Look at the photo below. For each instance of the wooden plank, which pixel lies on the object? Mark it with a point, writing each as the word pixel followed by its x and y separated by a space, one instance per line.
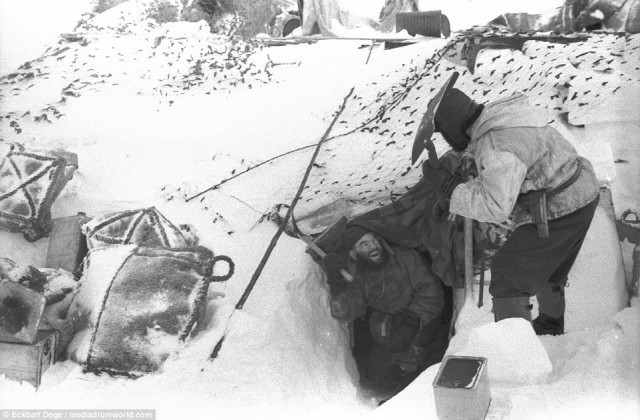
pixel 315 248
pixel 312 39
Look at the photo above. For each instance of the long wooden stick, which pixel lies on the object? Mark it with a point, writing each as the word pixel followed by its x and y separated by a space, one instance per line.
pixel 481 289
pixel 282 226
pixel 315 38
pixel 315 248
pixel 468 257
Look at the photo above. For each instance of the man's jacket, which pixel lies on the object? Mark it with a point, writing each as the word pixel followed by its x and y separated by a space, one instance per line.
pixel 405 282
pixel 516 151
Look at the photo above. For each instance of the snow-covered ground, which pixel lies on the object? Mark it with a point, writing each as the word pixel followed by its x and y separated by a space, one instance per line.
pixel 143 143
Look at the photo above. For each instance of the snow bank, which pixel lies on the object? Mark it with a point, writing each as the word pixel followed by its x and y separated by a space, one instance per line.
pixel 416 401
pixel 514 353
pixel 283 355
pixel 27 27
pixel 596 288
pixel 600 154
pixel 582 384
pixel 513 350
pixel 623 138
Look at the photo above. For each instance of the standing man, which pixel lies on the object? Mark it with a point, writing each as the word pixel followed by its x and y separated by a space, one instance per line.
pixel 404 300
pixel 529 171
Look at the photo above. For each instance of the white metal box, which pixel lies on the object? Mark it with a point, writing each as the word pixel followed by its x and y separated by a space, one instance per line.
pixel 461 388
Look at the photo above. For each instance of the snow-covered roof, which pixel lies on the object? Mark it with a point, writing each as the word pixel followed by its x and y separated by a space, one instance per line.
pixel 366 162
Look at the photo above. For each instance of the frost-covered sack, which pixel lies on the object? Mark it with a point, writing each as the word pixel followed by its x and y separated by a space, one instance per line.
pixel 514 351
pixel 136 305
pixel 30 181
pixel 147 227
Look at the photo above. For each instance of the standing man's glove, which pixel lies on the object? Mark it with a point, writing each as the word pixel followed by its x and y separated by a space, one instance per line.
pixel 332 264
pixel 440 180
pixel 403 332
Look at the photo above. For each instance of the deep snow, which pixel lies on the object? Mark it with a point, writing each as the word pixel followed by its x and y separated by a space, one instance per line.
pixel 284 356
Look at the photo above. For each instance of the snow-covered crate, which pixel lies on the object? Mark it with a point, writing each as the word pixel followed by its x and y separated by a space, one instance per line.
pixel 67 243
pixel 20 312
pixel 27 362
pixel 461 388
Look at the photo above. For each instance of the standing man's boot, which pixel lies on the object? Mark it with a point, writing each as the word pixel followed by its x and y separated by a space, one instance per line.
pixel 551 306
pixel 512 307
pixel 546 325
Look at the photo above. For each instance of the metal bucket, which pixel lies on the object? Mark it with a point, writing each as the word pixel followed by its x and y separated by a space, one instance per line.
pixel 432 23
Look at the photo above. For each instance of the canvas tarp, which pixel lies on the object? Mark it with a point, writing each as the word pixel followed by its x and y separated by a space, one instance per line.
pixel 410 221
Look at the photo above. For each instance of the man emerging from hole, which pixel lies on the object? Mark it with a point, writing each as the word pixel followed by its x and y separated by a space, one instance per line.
pixel 404 300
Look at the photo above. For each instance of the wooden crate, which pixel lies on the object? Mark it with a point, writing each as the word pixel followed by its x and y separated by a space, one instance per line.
pixel 27 362
pixel 20 312
pixel 67 244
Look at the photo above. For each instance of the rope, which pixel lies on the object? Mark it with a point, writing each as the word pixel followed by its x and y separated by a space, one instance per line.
pixel 224 181
pixel 281 228
pixel 227 276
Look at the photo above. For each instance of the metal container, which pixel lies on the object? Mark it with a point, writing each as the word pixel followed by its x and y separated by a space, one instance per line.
pixel 461 388
pixel 432 23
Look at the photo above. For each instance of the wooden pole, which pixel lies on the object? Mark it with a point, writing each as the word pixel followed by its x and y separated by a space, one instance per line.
pixel 282 226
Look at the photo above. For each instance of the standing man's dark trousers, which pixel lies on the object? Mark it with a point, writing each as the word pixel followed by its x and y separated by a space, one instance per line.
pixel 528 265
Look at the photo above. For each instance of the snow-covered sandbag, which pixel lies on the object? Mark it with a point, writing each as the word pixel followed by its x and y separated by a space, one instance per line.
pixel 30 181
pixel 146 227
pixel 136 306
pixel 513 350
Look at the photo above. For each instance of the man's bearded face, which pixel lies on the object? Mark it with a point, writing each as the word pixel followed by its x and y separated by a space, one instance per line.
pixel 370 251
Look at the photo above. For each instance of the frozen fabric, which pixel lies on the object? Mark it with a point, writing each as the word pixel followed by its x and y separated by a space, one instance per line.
pixel 30 181
pixel 136 306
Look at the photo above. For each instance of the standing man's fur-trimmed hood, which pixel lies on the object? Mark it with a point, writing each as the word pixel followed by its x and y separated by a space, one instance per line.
pixel 505 113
